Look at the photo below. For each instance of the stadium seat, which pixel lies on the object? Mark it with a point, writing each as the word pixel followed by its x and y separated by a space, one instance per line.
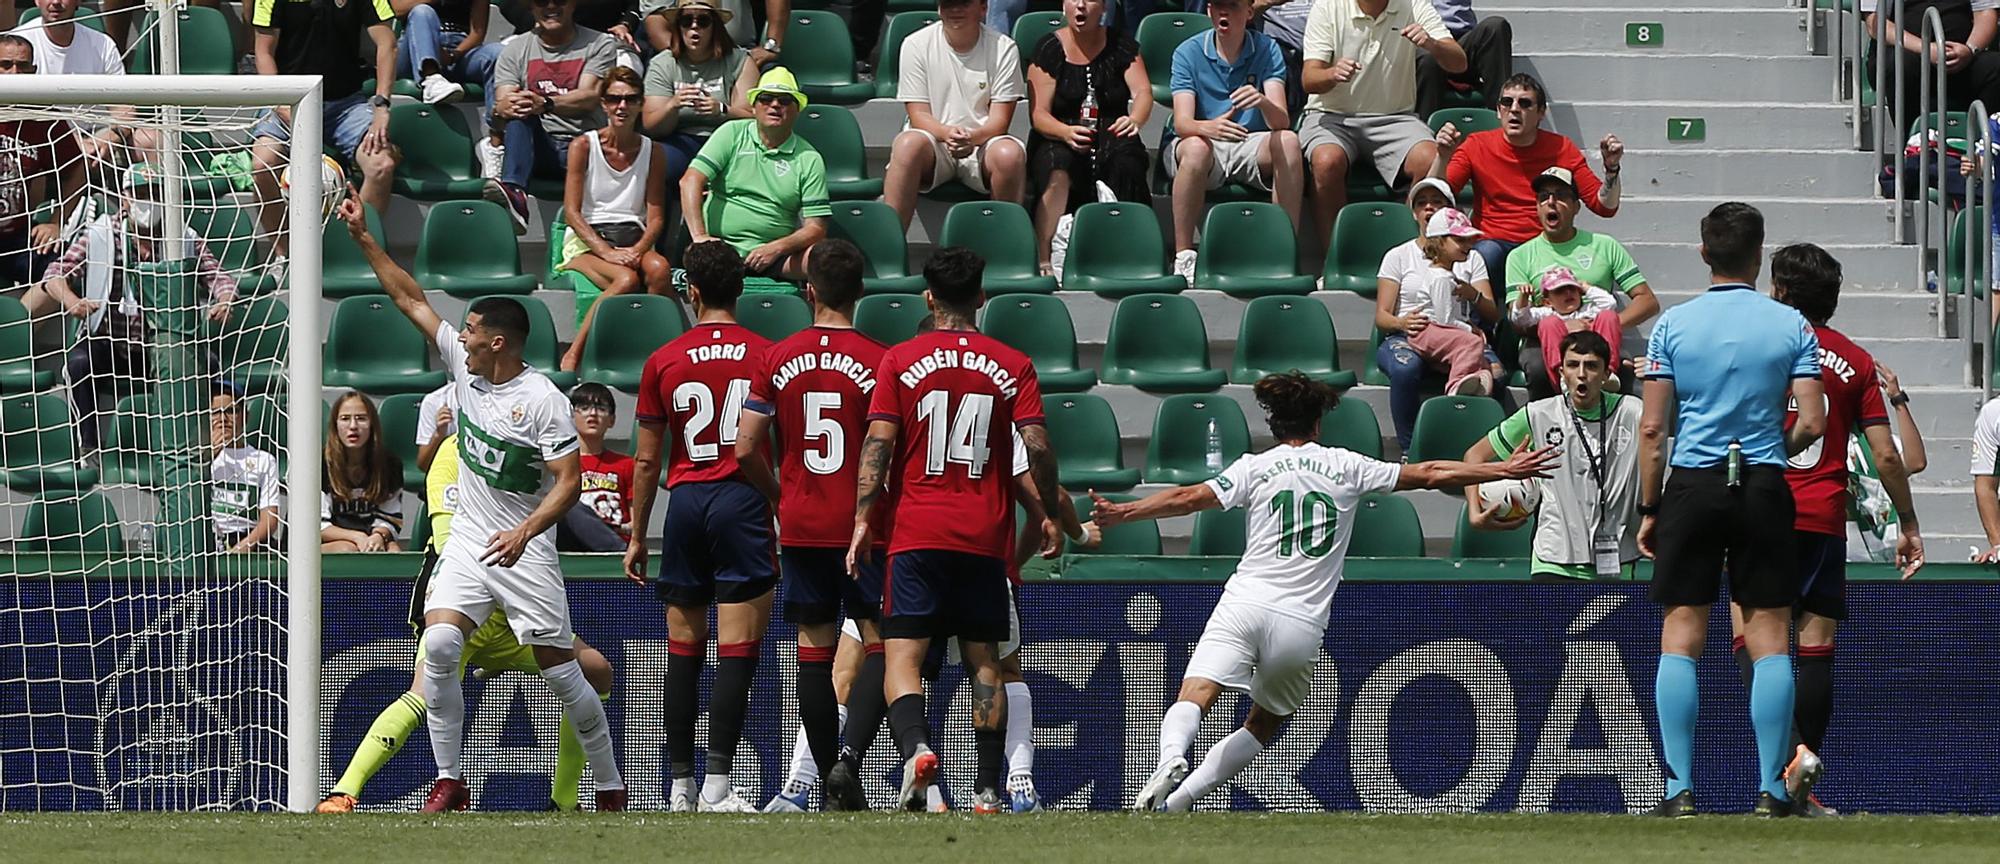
pixel 1179 454
pixel 901 25
pixel 1159 34
pixel 438 164
pixel 1449 425
pixel 1362 234
pixel 1040 328
pixel 468 250
pixel 208 43
pixel 889 318
pixel 343 271
pixel 371 347
pixel 873 227
pixel 1386 526
pixel 1131 538
pixel 1281 334
pixel 1029 30
pixel 230 233
pixel 833 131
pixel 774 316
pixel 420 528
pixel 628 329
pixel 1466 542
pixel 264 423
pixel 1248 249
pixel 251 349
pixel 85 523
pixel 197 147
pixel 820 52
pixel 1000 232
pixel 1351 425
pixel 1157 342
pixel 126 454
pixel 1115 250
pixel 17 362
pixel 1952 124
pixel 1084 434
pixel 38 445
pixel 1973 218
pixel 400 416
pixel 1468 120
pixel 1219 532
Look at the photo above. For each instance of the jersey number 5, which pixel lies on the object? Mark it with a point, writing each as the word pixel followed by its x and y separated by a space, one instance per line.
pixel 1308 528
pixel 956 436
pixel 694 398
pixel 825 432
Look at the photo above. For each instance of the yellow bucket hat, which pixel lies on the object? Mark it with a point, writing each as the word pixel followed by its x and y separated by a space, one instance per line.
pixel 779 81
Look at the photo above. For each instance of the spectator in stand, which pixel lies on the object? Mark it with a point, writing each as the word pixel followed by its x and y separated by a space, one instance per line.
pixel 601 521
pixel 361 483
pixel 1489 56
pixel 1972 71
pixel 1559 305
pixel 545 96
pixel 437 419
pixel 42 165
pixel 769 198
pixel 1401 317
pixel 318 37
pixel 1596 260
pixel 63 47
pixel 959 84
pixel 1084 66
pixel 445 47
pixel 1502 164
pixel 243 480
pixel 743 26
pixel 1231 124
pixel 1360 66
pixel 118 19
pixel 615 204
pixel 702 81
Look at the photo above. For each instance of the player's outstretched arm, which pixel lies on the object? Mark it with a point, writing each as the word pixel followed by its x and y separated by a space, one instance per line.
pixel 504 548
pixel 753 432
pixel 1042 467
pixel 1446 474
pixel 645 486
pixel 1480 515
pixel 1178 501
pixel 872 471
pixel 396 282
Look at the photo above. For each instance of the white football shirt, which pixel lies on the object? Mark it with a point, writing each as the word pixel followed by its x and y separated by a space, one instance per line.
pixel 1301 503
pixel 438 400
pixel 243 484
pixel 1986 440
pixel 506 435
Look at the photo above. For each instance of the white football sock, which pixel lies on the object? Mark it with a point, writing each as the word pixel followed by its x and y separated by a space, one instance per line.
pixel 934 796
pixel 586 714
pixel 444 696
pixel 1020 730
pixel 1177 729
pixel 805 770
pixel 1227 757
pixel 715 787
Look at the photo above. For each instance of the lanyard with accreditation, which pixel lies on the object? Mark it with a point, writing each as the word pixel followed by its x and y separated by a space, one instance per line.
pixel 1603 536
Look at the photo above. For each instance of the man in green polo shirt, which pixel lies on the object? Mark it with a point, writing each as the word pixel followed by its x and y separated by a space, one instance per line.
pixel 769 186
pixel 1597 259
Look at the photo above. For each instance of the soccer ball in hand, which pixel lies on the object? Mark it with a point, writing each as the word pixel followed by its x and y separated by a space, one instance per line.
pixel 332 185
pixel 1515 498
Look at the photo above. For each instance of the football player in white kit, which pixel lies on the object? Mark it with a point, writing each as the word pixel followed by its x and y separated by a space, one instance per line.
pixel 1265 632
pixel 521 473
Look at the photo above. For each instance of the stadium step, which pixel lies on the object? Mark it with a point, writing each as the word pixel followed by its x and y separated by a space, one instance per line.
pixel 1808 123
pixel 1510 7
pixel 1729 169
pixel 1594 76
pixel 1673 30
pixel 1862 314
pixel 1869 267
pixel 1825 220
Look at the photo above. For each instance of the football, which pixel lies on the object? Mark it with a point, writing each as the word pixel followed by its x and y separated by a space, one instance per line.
pixel 1516 498
pixel 332 185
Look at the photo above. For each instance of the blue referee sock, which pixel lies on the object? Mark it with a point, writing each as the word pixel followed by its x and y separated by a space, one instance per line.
pixel 1771 716
pixel 1677 700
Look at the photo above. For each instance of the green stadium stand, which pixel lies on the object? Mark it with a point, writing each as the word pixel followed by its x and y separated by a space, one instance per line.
pixel 17 362
pixel 208 44
pixel 372 348
pixel 1466 542
pixel 889 318
pixel 1115 250
pixel 1449 425
pixel 230 233
pixel 1159 34
pixel 628 329
pixel 1084 434
pixel 1040 327
pixel 1178 451
pixel 820 52
pixel 468 250
pixel 1386 526
pixel 1351 424
pixel 1248 249
pixel 400 415
pixel 833 131
pixel 438 164
pixel 1219 532
pixel 38 445
pixel 343 270
pixel 1157 342
pixel 251 350
pixel 1362 233
pixel 1973 218
pixel 1029 30
pixel 1282 334
pixel 71 523
pixel 901 25
pixel 126 456
pixel 774 316
pixel 873 226
pixel 1468 120
pixel 1001 232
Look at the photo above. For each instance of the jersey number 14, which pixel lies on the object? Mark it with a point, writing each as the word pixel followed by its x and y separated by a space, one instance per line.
pixel 956 436
pixel 1305 524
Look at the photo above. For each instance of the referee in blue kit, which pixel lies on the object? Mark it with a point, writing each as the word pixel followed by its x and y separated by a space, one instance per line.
pixel 1723 366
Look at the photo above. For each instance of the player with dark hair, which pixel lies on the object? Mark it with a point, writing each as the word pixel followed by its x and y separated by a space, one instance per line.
pixel 1265 633
pixel 718 531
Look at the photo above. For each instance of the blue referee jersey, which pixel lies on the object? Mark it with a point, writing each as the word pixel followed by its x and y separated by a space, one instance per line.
pixel 1732 354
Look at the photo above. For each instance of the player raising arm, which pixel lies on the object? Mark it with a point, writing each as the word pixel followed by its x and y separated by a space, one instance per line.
pixel 1265 632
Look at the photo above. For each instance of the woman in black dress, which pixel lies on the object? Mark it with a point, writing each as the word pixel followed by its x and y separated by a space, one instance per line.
pixel 1066 155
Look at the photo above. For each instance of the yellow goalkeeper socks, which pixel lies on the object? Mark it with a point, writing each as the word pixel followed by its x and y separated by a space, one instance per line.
pixel 569 764
pixel 385 736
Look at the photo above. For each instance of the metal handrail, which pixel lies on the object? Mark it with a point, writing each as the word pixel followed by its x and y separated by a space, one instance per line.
pixel 1976 315
pixel 1932 34
pixel 1890 124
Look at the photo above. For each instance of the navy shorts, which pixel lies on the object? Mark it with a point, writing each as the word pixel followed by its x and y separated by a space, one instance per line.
pixel 717 545
pixel 1822 575
pixel 935 593
pixel 817 586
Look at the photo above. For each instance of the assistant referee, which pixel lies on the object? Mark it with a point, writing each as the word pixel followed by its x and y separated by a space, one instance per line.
pixel 1720 368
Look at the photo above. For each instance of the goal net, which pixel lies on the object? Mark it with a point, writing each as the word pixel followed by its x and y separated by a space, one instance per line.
pixel 147 390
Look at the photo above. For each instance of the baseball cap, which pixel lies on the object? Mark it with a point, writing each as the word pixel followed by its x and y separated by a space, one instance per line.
pixel 1555 174
pixel 1559 277
pixel 1442 187
pixel 1450 223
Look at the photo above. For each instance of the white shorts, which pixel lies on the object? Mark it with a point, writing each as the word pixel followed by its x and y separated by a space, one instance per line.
pixel 849 629
pixel 1007 648
pixel 1235 161
pixel 531 592
pixel 969 169
pixel 1253 650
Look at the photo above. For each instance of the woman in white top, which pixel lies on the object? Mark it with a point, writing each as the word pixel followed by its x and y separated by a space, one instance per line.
pixel 1407 264
pixel 614 202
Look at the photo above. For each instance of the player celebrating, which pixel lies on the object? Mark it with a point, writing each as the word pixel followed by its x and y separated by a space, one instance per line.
pixel 520 445
pixel 1265 632
pixel 940 416
pixel 718 531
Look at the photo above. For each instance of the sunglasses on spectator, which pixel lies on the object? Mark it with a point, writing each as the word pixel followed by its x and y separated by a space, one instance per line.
pixel 777 99
pixel 692 21
pixel 1522 102
pixel 621 98
pixel 549 2
pixel 17 65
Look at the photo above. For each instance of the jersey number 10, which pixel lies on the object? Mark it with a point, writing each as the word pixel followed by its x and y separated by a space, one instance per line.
pixel 1308 528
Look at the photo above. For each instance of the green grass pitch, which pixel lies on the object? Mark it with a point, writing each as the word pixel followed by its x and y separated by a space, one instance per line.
pixel 493 838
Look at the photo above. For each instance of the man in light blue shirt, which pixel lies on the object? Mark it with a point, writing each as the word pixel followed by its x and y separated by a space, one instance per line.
pixel 1723 366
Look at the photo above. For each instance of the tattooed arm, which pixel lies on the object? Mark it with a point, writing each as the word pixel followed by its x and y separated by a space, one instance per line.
pixel 1042 466
pixel 871 472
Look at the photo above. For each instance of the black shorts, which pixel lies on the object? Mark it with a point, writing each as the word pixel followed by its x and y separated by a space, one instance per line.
pixel 1822 575
pixel 717 545
pixel 1707 527
pixel 934 594
pixel 817 586
pixel 420 591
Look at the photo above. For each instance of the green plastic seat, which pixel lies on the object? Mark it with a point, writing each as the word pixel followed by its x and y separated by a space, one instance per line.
pixel 1040 327
pixel 833 131
pixel 1219 532
pixel 1001 233
pixel 889 318
pixel 1115 250
pixel 1362 234
pixel 1386 526
pixel 1159 34
pixel 820 52
pixel 873 227
pixel 540 352
pixel 1131 538
pixel 1467 542
pixel 1971 220
pixel 1178 452
pixel 438 162
pixel 264 423
pixel 1248 249
pixel 38 445
pixel 230 233
pixel 1467 120
pixel 1282 334
pixel 208 43
pixel 343 270
pixel 1031 27
pixel 1351 424
pixel 420 528
pixel 252 346
pixel 85 523
pixel 774 316
pixel 1084 433
pixel 468 250
pixel 412 89
pixel 901 25
pixel 1951 124
pixel 400 416
pixel 628 329
pixel 371 347
pixel 127 455
pixel 1447 426
pixel 17 358
pixel 1157 342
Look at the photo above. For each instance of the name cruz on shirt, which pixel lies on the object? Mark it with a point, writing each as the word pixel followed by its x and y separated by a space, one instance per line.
pixel 975 361
pixel 831 361
pixel 1829 360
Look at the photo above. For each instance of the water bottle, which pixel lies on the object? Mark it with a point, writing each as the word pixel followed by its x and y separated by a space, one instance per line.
pixel 1087 113
pixel 146 538
pixel 1930 281
pixel 1213 458
pixel 1735 463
